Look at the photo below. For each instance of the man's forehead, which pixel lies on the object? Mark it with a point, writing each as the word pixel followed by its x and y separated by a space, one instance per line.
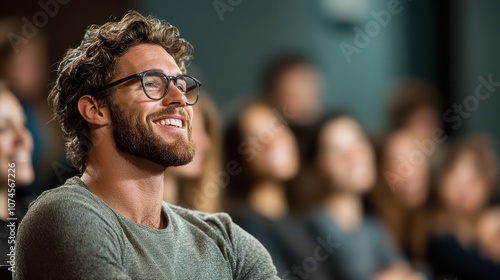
pixel 145 57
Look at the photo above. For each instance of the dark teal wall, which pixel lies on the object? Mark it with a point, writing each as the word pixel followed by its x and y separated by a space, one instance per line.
pixel 479 55
pixel 231 52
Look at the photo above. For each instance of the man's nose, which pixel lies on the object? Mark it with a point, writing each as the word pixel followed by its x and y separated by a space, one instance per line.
pixel 174 97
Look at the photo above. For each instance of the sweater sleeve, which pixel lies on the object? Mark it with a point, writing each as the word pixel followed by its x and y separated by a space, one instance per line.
pixel 65 236
pixel 252 261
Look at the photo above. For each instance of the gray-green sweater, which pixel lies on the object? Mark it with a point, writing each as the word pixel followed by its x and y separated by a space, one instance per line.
pixel 70 233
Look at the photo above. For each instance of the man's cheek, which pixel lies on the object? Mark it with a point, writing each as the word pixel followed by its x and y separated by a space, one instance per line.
pixel 190 112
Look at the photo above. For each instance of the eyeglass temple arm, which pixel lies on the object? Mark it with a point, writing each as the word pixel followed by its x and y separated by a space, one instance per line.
pixel 115 83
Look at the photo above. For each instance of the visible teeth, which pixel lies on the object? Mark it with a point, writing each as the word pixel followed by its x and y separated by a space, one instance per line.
pixel 173 122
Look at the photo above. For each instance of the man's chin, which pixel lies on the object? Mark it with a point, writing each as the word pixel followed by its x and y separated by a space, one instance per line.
pixel 181 163
pixel 171 161
pixel 183 158
pixel 180 153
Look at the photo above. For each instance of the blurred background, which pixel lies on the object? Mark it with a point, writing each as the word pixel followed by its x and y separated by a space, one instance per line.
pixel 403 72
pixel 450 43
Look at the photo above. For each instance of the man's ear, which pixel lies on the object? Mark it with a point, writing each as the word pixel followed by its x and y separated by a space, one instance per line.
pixel 93 111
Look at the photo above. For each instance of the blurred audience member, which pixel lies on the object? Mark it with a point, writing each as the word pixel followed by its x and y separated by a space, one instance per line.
pixel 488 155
pixel 400 196
pixel 345 158
pixel 415 106
pixel 25 65
pixel 195 184
pixel 304 191
pixel 463 187
pixel 25 68
pixel 488 234
pixel 16 148
pixel 265 150
pixel 294 86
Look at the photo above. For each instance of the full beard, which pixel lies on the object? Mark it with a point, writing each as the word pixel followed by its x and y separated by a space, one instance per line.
pixel 137 139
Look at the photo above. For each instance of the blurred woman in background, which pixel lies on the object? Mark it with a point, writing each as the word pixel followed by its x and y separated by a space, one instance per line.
pixel 25 68
pixel 400 195
pixel 415 106
pixel 266 153
pixel 16 148
pixel 488 234
pixel 488 155
pixel 345 158
pixel 194 185
pixel 462 189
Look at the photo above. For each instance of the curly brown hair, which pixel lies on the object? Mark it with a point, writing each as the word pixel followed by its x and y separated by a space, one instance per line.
pixel 83 70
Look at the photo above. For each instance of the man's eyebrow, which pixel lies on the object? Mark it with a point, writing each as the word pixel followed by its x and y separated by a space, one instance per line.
pixel 161 71
pixel 156 70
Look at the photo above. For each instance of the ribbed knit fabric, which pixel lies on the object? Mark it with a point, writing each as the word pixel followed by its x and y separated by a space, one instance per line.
pixel 70 233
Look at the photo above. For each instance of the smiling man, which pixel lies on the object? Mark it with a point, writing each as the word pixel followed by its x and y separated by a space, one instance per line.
pixel 124 104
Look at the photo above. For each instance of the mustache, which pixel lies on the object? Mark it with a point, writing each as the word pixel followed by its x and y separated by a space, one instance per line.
pixel 170 111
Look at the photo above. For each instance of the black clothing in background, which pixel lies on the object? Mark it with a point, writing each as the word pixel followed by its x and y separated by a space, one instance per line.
pixel 304 136
pixel 287 242
pixel 450 260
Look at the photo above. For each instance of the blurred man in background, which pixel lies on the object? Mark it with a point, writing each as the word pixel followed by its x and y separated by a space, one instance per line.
pixel 294 86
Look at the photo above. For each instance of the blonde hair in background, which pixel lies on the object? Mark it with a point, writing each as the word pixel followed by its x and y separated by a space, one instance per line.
pixel 205 193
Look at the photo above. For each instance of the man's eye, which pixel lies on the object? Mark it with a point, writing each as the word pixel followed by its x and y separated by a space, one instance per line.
pixel 151 85
pixel 181 88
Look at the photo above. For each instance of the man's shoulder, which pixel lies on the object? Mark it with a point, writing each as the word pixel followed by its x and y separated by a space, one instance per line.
pixel 65 203
pixel 71 192
pixel 185 212
pixel 67 214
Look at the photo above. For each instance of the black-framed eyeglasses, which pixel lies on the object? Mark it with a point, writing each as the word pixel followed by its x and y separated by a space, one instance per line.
pixel 156 85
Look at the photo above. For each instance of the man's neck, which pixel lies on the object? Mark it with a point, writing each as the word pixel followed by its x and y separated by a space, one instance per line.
pixel 130 187
pixel 171 188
